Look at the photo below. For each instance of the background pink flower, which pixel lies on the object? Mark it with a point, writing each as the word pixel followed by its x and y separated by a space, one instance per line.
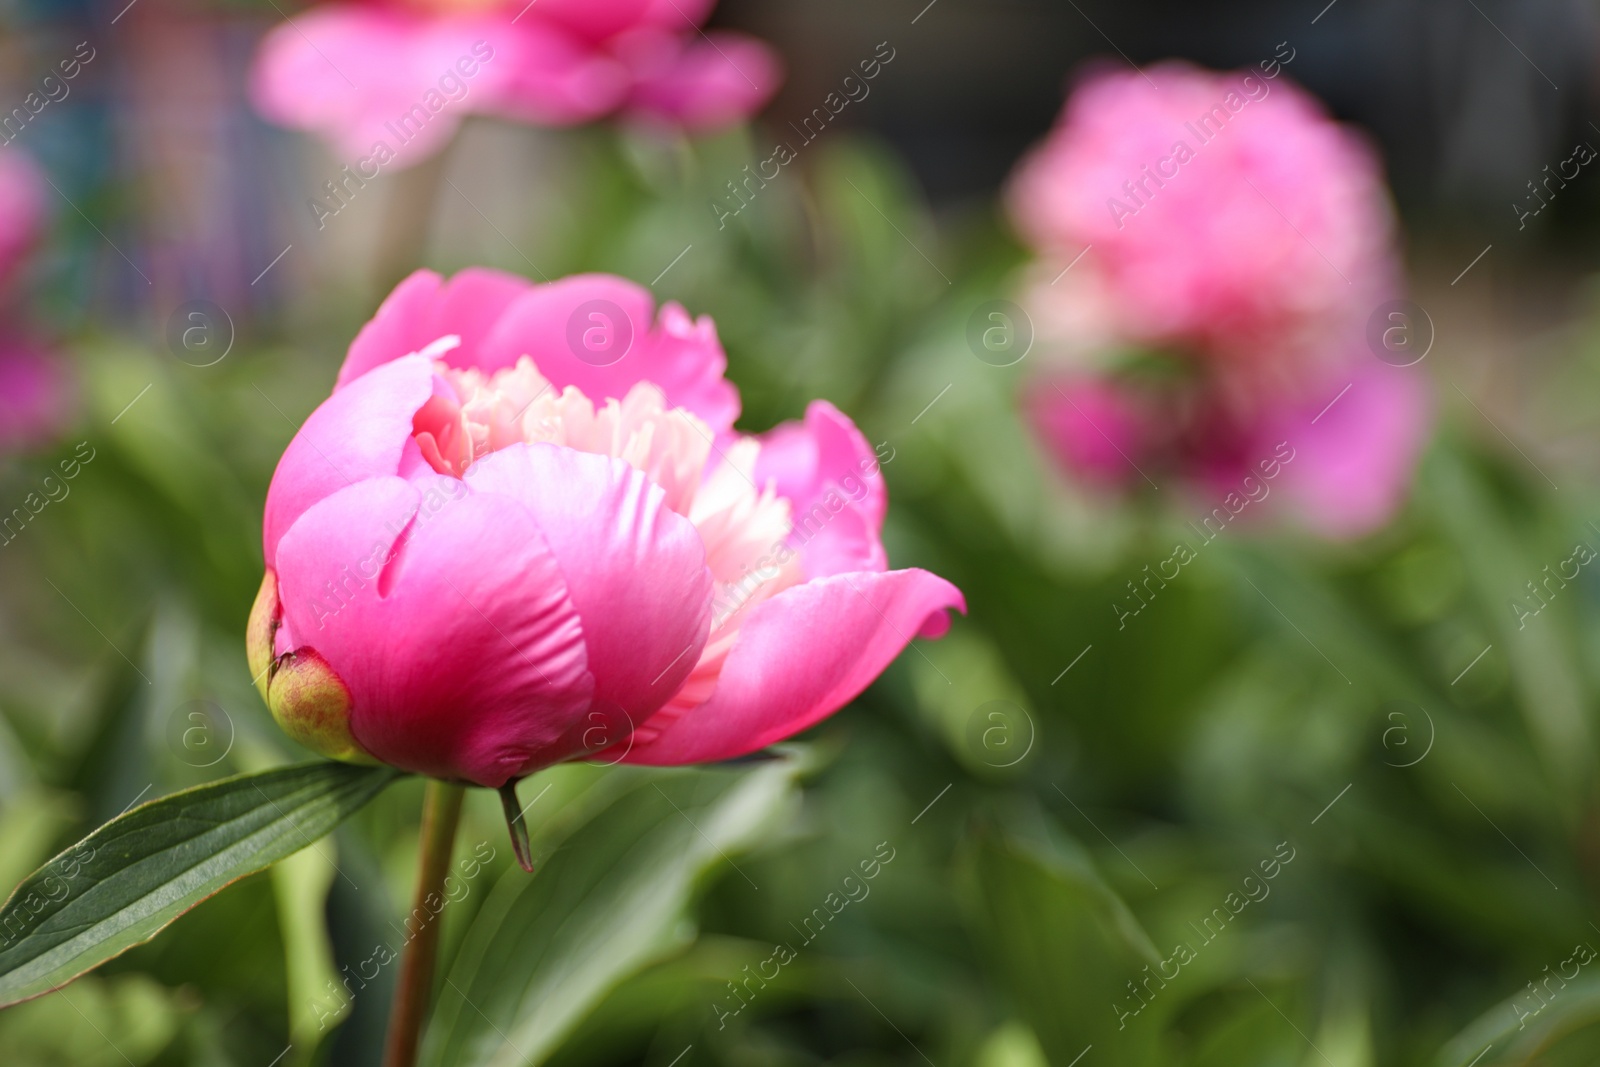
pixel 35 389
pixel 23 209
pixel 1272 234
pixel 357 74
pixel 1232 232
pixel 35 396
pixel 492 549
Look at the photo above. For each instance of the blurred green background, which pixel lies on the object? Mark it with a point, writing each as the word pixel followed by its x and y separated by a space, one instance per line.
pixel 1065 802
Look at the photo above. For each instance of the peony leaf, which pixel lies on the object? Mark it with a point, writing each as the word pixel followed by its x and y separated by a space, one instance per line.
pixel 609 897
pixel 122 884
pixel 1063 941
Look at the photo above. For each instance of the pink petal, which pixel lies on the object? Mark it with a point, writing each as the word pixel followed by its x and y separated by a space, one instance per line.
pixel 348 71
pixel 550 76
pixel 1353 465
pixel 799 658
pixel 23 208
pixel 596 20
pixel 711 82
pixel 1093 429
pixel 830 475
pixel 36 393
pixel 635 569
pixel 608 320
pixel 352 72
pixel 424 308
pixel 462 650
pixel 600 20
pixel 359 432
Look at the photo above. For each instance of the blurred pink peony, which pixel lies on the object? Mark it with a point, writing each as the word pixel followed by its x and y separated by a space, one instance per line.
pixel 1223 212
pixel 1233 233
pixel 523 530
pixel 35 396
pixel 403 75
pixel 23 209
pixel 35 389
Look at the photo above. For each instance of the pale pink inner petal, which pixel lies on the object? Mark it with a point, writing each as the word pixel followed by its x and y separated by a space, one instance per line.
pixel 744 526
pixel 745 534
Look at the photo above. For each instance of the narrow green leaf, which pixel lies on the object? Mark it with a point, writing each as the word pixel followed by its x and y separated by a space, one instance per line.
pixel 123 883
pixel 1527 1028
pixel 1064 943
pixel 608 897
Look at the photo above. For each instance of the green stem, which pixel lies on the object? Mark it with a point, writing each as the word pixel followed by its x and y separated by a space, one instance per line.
pixel 441 810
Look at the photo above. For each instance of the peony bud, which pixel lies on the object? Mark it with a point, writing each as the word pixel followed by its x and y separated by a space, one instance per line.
pixel 307 699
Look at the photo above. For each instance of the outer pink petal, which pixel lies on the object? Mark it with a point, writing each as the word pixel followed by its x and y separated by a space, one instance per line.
pixel 711 82
pixel 36 393
pixel 424 308
pixel 23 208
pixel 359 432
pixel 549 75
pixel 681 356
pixel 831 477
pixel 1353 465
pixel 345 71
pixel 600 20
pixel 635 569
pixel 351 72
pixel 463 653
pixel 597 20
pixel 800 657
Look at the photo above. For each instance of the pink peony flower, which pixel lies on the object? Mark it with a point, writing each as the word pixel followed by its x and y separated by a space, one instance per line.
pixel 1223 212
pixel 1234 234
pixel 403 75
pixel 35 396
pixel 523 530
